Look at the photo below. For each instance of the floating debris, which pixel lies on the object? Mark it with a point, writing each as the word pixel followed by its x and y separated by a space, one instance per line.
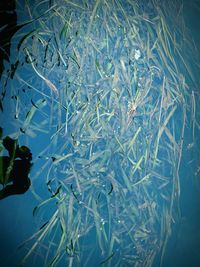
pixel 116 123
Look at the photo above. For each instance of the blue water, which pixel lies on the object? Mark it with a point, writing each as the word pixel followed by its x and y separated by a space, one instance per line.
pixel 18 224
pixel 184 246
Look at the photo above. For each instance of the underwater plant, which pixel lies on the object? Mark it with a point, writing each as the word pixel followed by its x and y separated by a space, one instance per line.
pixel 115 119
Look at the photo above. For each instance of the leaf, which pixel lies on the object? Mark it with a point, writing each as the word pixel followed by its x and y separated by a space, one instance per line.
pixel 24 38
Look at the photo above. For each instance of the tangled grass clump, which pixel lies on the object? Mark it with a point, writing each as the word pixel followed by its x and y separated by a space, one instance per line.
pixel 109 85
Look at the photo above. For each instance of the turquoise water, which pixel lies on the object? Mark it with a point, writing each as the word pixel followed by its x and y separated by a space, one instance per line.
pixel 17 221
pixel 183 249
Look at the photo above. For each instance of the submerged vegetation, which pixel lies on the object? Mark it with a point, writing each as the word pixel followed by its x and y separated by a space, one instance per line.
pixel 109 84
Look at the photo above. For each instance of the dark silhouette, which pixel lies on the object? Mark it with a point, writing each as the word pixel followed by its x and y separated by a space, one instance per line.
pixel 8 25
pixel 15 168
pixel 8 28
